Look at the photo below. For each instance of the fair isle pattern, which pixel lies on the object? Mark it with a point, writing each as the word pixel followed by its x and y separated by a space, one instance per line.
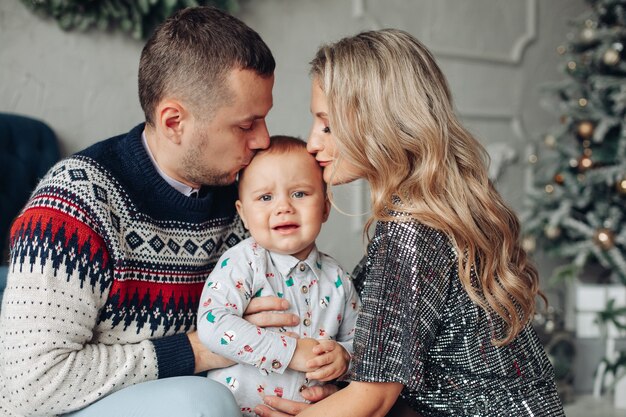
pixel 100 295
pixel 173 255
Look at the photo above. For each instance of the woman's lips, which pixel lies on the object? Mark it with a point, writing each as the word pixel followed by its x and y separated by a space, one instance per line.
pixel 324 163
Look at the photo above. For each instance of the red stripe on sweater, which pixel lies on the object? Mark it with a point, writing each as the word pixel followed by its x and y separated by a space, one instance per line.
pixel 58 219
pixel 128 288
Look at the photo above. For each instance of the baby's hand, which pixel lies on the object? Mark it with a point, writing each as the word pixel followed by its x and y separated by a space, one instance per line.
pixel 331 362
pixel 303 354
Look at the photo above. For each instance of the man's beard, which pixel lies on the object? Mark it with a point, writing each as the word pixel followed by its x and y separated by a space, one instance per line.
pixel 196 171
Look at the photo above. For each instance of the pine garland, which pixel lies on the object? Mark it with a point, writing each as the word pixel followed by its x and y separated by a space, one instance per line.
pixel 135 17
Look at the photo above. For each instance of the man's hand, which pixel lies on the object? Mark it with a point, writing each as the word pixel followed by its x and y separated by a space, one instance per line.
pixel 262 312
pixel 265 312
pixel 281 407
pixel 331 362
pixel 204 358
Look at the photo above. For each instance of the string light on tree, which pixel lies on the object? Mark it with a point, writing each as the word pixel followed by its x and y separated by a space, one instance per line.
pixel 621 186
pixel 604 238
pixel 552 232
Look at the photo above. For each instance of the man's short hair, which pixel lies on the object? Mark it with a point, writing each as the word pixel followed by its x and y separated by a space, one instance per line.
pixel 189 56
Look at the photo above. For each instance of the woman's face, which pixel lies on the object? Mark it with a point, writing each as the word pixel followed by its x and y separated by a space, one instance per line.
pixel 322 143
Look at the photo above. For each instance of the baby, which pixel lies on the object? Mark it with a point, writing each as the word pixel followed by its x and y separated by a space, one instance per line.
pixel 283 203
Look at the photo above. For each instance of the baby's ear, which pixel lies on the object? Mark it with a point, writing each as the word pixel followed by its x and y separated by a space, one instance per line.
pixel 326 210
pixel 239 208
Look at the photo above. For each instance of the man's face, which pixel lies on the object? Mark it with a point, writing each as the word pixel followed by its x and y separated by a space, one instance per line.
pixel 283 203
pixel 215 151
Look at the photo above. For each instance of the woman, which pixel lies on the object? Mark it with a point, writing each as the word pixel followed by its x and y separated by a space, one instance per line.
pixel 448 293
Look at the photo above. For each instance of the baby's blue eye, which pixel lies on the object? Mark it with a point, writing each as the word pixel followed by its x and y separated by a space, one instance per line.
pixel 298 194
pixel 265 197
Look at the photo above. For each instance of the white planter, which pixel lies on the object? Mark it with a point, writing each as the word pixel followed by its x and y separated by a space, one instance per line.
pixel 590 300
pixel 619 396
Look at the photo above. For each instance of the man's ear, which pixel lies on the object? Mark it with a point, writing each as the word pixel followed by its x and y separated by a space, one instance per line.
pixel 239 208
pixel 172 118
pixel 326 210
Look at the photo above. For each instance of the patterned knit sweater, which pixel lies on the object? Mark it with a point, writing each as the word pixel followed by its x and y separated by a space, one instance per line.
pixel 107 264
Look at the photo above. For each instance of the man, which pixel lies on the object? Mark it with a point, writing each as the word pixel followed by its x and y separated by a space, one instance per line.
pixel 109 256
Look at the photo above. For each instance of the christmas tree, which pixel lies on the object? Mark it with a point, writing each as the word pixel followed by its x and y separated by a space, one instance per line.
pixel 576 196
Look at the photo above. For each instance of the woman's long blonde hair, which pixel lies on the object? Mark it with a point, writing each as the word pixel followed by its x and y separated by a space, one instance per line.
pixel 391 113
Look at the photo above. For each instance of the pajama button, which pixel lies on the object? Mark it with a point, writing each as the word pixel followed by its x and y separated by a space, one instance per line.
pixel 302 267
pixel 276 364
pixel 306 322
pixel 304 289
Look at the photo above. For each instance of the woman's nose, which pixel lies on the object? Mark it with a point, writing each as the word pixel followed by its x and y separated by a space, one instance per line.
pixel 314 144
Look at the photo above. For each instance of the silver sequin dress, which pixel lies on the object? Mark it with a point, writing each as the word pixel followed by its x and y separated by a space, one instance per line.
pixel 419 327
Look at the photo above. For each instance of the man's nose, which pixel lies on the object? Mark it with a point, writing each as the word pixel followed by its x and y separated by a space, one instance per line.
pixel 261 138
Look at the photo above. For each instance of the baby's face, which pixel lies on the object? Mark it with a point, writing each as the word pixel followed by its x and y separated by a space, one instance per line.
pixel 283 203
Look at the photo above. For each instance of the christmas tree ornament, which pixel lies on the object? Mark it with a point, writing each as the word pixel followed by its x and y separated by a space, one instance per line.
pixel 561 50
pixel 582 102
pixel 571 66
pixel 552 232
pixel 573 163
pixel 532 158
pixel 550 141
pixel 529 244
pixel 559 179
pixel 585 129
pixel 549 188
pixel 586 143
pixel 621 186
pixel 587 151
pixel 584 163
pixel 611 57
pixel 604 238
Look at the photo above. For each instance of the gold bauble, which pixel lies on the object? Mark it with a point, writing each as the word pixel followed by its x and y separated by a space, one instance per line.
pixel 549 188
pixel 611 57
pixel 604 238
pixel 585 129
pixel 584 163
pixel 561 50
pixel 621 185
pixel 529 244
pixel 552 232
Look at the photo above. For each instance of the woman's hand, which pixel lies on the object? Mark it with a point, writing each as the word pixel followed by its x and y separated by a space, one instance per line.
pixel 280 407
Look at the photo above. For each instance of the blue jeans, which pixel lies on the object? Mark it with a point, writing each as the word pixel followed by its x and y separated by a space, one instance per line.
pixel 184 396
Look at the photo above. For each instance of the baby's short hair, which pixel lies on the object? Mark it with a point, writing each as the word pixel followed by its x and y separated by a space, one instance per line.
pixel 282 144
